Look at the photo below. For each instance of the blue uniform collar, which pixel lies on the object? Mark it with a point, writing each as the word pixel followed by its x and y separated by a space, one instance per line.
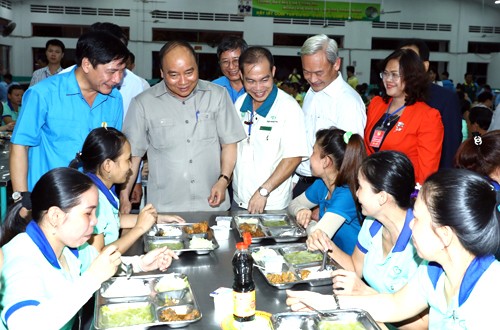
pixel 38 237
pixel 404 236
pixel 472 275
pixel 109 193
pixel 72 88
pixel 264 109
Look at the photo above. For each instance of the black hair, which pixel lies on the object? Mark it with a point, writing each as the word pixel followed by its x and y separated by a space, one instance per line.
pixel 483 158
pixel 412 71
pixel 101 144
pixel 254 55
pixel 100 48
pixel 14 87
pixel 466 202
pixel 392 172
pixel 131 57
pixel 423 49
pixel 61 187
pixel 481 116
pixel 174 44
pixel 484 96
pixel 112 29
pixel 55 42
pixel 350 68
pixel 231 43
pixel 347 157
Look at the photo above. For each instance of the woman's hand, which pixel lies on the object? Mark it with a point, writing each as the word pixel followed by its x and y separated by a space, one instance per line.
pixel 167 218
pixel 105 264
pixel 160 258
pixel 304 217
pixel 146 218
pixel 300 300
pixel 348 283
pixel 318 240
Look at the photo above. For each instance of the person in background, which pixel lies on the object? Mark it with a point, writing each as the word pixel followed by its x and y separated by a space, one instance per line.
pixel 42 283
pixel 58 113
pixel 189 129
pixel 470 87
pixel 484 99
pixel 336 158
pixel 12 107
pixel 330 101
pixel 275 142
pixel 433 76
pixel 54 51
pixel 445 101
pixel 228 53
pixel 294 77
pixel 105 158
pixel 479 120
pixel 352 80
pixel 495 120
pixel 4 86
pixel 131 67
pixel 447 82
pixel 400 120
pixel 456 227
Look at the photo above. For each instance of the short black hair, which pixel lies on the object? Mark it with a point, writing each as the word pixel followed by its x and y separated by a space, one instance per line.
pixel 484 96
pixel 110 28
pixel 350 68
pixel 55 42
pixel 231 43
pixel 481 116
pixel 100 48
pixel 13 88
pixel 423 49
pixel 174 44
pixel 254 55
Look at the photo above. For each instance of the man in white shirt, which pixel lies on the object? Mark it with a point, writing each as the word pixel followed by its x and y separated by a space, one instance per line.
pixel 330 101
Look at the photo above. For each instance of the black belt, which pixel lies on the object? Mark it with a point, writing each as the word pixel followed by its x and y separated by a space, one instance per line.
pixel 306 179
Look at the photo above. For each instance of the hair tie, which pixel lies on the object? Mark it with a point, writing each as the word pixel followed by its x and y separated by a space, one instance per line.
pixel 415 192
pixel 26 200
pixel 347 136
pixel 477 138
pixel 104 125
pixel 78 157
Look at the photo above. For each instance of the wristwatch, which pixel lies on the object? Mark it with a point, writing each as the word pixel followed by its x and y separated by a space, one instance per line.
pixel 263 192
pixel 16 195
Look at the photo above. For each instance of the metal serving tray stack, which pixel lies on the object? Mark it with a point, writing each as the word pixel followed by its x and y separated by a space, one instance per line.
pixel 295 267
pixel 349 319
pixel 175 237
pixel 138 302
pixel 278 227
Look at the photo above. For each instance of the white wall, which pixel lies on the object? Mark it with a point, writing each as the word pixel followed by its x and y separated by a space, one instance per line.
pixel 259 30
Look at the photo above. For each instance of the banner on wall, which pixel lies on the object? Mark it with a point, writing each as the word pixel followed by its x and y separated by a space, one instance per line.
pixel 315 9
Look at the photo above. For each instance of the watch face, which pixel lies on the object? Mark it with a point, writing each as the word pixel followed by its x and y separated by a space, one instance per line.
pixel 16 195
pixel 264 192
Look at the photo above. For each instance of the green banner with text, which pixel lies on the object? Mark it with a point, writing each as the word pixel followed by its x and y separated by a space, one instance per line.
pixel 316 9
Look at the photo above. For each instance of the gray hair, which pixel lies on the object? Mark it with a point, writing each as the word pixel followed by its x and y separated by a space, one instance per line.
pixel 318 43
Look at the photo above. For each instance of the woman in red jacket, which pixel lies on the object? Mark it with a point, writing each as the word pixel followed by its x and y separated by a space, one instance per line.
pixel 400 120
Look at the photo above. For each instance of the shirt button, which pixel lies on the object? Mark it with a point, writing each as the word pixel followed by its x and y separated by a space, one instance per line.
pixel 187 121
pixel 183 102
pixel 192 181
pixel 190 161
pixel 188 141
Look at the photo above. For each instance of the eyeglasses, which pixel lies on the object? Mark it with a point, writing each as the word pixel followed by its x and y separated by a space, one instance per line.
pixel 394 76
pixel 227 63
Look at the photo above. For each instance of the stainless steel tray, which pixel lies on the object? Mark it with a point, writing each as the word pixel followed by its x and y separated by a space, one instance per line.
pixel 178 243
pixel 279 227
pixel 313 321
pixel 295 270
pixel 126 296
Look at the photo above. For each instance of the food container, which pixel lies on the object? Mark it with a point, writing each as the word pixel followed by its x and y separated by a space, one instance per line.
pixel 352 319
pixel 278 227
pixel 115 310
pixel 292 271
pixel 168 235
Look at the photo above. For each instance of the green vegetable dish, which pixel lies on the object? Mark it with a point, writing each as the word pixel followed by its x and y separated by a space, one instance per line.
pixel 170 245
pixel 120 316
pixel 302 257
pixel 275 223
pixel 336 325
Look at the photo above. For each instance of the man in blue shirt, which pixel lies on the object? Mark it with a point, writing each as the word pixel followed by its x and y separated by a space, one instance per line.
pixel 228 52
pixel 60 111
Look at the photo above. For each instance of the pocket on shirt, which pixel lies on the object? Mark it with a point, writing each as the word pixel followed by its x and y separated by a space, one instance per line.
pixel 163 133
pixel 206 128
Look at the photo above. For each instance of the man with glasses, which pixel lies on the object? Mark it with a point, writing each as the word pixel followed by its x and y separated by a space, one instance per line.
pixel 330 101
pixel 228 52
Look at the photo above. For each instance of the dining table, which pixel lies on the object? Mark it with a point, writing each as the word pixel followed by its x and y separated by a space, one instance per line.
pixel 208 272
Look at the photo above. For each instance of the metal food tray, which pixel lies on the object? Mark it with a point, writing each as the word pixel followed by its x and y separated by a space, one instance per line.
pixel 151 241
pixel 279 227
pixel 282 250
pixel 312 320
pixel 182 300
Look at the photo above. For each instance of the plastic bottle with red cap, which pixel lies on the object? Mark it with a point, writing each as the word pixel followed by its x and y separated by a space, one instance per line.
pixel 243 285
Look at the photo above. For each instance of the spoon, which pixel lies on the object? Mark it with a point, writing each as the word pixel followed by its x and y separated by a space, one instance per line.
pixel 323 263
pixel 128 268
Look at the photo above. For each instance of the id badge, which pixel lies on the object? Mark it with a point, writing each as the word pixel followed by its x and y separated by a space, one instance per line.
pixel 378 136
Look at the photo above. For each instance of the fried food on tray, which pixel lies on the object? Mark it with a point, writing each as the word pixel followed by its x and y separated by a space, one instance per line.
pixel 254 230
pixel 281 278
pixel 304 273
pixel 169 315
pixel 197 228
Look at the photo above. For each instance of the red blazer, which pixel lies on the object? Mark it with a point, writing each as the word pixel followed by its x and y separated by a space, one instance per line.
pixel 418 133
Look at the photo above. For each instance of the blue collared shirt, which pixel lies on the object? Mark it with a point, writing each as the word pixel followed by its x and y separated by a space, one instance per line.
pixel 56 119
pixel 233 93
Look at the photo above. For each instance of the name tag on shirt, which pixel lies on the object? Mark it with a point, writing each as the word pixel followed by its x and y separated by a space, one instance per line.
pixel 378 136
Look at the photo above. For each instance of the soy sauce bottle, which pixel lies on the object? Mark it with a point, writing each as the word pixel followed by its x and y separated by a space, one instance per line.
pixel 243 285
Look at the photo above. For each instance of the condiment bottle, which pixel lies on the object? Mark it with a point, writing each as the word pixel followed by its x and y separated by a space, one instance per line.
pixel 243 285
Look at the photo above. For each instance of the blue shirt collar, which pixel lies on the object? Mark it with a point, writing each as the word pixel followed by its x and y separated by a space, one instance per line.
pixel 404 236
pixel 264 109
pixel 38 237
pixel 472 275
pixel 109 193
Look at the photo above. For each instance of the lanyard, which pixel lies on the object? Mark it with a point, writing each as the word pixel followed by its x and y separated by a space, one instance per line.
pixel 387 114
